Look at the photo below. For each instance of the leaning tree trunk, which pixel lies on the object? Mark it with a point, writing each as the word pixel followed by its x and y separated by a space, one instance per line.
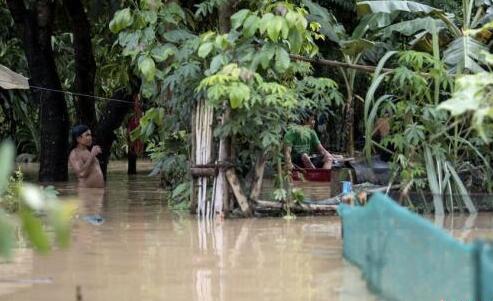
pixel 85 66
pixel 34 27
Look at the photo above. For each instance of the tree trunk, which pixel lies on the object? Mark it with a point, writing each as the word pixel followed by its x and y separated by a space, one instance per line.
pixel 241 198
pixel 8 112
pixel 115 112
pixel 256 186
pixel 221 201
pixel 34 27
pixel 349 126
pixel 132 162
pixel 85 66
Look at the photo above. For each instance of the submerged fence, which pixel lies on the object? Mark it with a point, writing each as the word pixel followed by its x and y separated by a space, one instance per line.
pixel 405 257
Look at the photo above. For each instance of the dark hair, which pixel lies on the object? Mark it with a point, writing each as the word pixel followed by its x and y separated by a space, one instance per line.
pixel 76 132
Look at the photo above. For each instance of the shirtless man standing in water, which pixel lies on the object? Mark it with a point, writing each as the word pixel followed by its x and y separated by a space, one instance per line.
pixel 83 159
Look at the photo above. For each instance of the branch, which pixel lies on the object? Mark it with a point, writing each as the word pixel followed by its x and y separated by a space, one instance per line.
pixel 363 68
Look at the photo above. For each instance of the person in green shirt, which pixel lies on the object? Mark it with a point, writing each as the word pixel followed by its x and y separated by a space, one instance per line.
pixel 301 144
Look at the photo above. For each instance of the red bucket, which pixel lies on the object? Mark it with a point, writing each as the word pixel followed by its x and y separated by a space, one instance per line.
pixel 312 175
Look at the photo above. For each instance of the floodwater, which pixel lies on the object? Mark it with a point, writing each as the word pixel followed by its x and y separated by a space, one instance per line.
pixel 127 245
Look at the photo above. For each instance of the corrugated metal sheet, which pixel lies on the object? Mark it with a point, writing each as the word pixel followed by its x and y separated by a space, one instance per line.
pixel 11 80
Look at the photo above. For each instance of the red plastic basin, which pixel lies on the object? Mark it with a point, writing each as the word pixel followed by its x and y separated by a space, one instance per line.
pixel 313 175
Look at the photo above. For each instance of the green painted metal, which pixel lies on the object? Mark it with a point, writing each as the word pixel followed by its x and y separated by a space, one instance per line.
pixel 405 257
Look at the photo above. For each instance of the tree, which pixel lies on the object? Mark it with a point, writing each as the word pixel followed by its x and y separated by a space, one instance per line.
pixel 34 25
pixel 36 31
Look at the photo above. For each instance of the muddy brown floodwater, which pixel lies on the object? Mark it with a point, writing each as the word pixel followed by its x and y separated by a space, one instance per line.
pixel 144 251
pixel 128 246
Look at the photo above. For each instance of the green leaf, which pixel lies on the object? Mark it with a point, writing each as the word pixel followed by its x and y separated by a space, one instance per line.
pixel 149 16
pixel 217 62
pixel 178 36
pixel 238 93
pixel 33 228
pixel 266 54
pixel 205 49
pixel 464 194
pixel 122 19
pixel 265 22
pixel 411 27
pixel 296 41
pixel 355 47
pixel 181 189
pixel 238 18
pixel 147 67
pixel 433 182
pixel 250 26
pixel 372 7
pixel 274 28
pixel 162 53
pixel 7 238
pixel 282 59
pixel 465 53
pixel 7 154
pixel 329 25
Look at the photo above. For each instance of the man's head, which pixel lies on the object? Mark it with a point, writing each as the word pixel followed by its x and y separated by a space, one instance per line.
pixel 81 134
pixel 309 121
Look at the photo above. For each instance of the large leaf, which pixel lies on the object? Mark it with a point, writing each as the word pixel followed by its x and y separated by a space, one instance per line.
pixel 411 27
pixel 464 194
pixel 282 59
pixel 371 7
pixel 471 95
pixel 465 53
pixel 355 47
pixel 33 228
pixel 433 182
pixel 122 19
pixel 238 93
pixel 178 35
pixel 205 49
pixel 7 154
pixel 163 52
pixel 7 238
pixel 147 67
pixel 371 22
pixel 329 25
pixel 238 18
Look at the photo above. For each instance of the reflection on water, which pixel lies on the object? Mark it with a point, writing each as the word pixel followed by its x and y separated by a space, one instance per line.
pixel 468 227
pixel 143 251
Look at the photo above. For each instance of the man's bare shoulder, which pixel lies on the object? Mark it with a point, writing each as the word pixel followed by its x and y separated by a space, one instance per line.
pixel 74 154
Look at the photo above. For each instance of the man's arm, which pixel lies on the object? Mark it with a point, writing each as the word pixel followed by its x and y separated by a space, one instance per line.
pixel 80 168
pixel 321 150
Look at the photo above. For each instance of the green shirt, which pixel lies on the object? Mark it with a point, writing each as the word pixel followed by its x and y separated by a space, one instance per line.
pixel 302 141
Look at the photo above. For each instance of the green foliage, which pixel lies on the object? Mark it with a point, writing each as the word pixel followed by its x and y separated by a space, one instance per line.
pixel 207 7
pixel 463 54
pixel 473 93
pixel 10 201
pixel 27 202
pixel 425 152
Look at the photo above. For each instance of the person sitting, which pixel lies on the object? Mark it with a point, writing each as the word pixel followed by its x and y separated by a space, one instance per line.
pixel 301 143
pixel 83 159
